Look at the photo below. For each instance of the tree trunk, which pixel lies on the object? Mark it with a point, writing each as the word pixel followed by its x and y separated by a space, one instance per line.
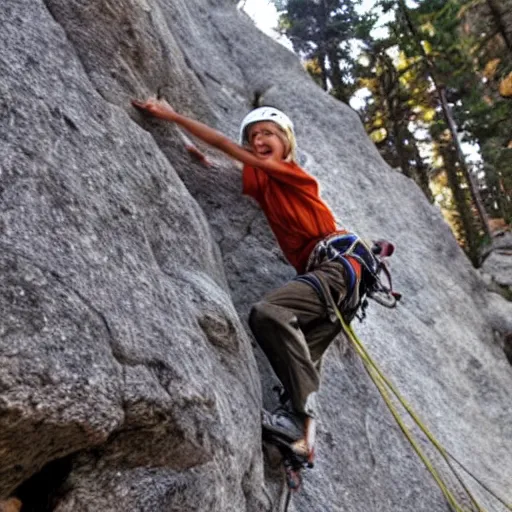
pixel 321 61
pixel 388 84
pixel 431 69
pixel 473 188
pixel 460 200
pixel 423 179
pixel 336 77
pixel 500 23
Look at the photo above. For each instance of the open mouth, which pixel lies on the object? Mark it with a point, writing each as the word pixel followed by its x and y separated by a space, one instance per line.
pixel 265 152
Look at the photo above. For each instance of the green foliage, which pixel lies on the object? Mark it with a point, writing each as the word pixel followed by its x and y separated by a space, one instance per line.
pixel 314 70
pixel 388 116
pixel 473 53
pixel 321 32
pixel 463 46
pixel 460 50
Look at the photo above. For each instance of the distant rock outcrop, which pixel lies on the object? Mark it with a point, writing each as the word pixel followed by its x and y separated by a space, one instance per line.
pixel 498 264
pixel 127 271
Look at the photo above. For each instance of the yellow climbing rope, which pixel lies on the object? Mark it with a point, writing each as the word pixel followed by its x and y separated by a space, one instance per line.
pixel 385 386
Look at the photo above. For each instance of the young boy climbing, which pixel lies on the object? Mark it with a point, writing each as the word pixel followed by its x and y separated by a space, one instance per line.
pixel 294 324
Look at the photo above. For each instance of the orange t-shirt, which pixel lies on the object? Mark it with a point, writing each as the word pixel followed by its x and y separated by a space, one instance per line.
pixel 291 202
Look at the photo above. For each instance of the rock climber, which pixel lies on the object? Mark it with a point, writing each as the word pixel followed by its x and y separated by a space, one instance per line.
pixel 292 324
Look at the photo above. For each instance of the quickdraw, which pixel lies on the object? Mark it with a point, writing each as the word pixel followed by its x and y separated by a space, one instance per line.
pixel 380 288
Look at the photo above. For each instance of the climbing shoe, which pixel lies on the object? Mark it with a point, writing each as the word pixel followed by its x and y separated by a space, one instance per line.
pixel 284 423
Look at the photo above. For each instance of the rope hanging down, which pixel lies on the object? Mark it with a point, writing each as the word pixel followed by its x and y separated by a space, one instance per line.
pixel 384 387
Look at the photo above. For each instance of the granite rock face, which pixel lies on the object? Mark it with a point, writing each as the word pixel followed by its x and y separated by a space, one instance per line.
pixel 498 264
pixel 128 270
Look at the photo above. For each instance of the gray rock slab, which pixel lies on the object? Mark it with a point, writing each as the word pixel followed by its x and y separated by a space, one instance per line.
pixel 128 271
pixel 498 264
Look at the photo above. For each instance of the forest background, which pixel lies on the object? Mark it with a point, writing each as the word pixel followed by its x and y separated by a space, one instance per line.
pixel 435 76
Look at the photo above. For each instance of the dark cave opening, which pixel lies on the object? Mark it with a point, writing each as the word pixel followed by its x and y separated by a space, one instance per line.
pixel 43 490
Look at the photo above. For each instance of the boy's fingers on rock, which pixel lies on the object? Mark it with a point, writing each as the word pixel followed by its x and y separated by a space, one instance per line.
pixel 139 104
pixel 146 107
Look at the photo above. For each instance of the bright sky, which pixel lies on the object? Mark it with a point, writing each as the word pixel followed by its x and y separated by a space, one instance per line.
pixel 264 13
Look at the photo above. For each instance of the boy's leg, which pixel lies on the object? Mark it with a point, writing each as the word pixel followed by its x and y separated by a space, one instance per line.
pixel 292 327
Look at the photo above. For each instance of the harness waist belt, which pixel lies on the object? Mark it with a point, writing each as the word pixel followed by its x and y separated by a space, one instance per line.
pixel 338 247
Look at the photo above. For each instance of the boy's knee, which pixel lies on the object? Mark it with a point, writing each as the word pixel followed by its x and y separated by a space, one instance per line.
pixel 265 315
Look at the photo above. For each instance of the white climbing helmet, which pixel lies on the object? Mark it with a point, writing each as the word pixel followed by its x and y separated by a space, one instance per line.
pixel 275 116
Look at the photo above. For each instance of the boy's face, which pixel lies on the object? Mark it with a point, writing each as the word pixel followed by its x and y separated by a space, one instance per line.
pixel 267 141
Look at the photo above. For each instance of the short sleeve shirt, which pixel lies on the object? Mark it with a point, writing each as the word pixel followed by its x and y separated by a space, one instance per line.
pixel 297 215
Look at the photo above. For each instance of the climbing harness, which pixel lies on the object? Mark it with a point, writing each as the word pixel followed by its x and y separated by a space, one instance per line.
pixel 375 282
pixel 381 288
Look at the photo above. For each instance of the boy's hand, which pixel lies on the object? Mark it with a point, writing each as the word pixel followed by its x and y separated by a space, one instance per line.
pixel 156 108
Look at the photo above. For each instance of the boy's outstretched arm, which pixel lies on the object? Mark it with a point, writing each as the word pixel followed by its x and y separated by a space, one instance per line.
pixel 162 110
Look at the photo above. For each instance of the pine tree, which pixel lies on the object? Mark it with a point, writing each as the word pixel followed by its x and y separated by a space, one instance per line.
pixel 391 110
pixel 486 29
pixel 320 31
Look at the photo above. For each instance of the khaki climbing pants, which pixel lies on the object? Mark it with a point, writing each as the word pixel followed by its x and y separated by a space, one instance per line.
pixel 293 327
